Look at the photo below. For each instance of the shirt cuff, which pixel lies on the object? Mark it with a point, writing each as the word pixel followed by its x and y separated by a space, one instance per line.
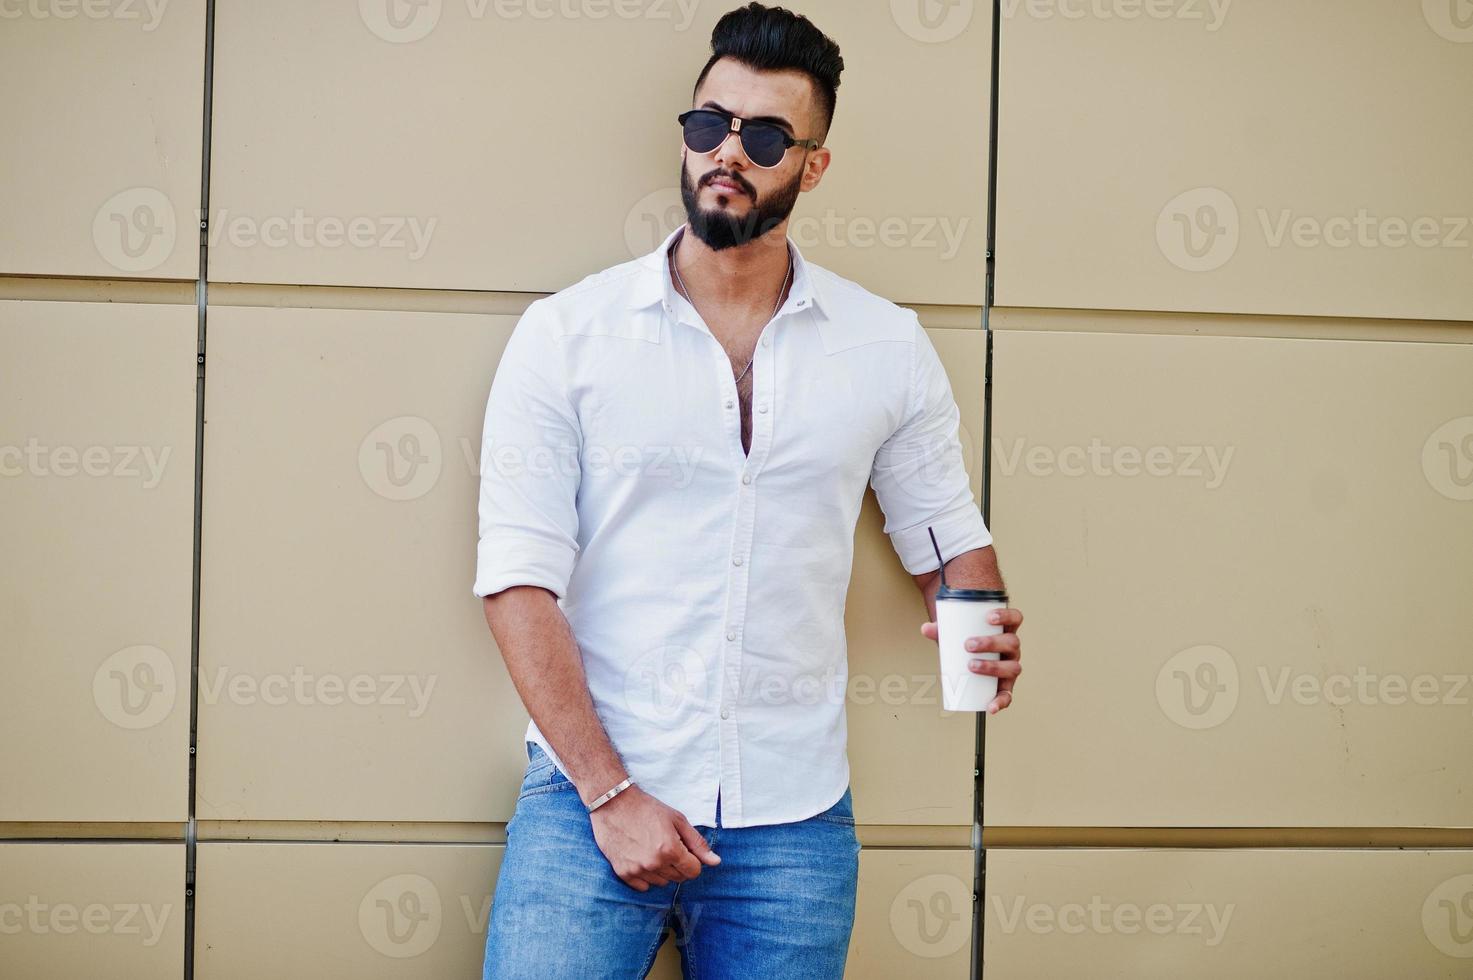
pixel 960 531
pixel 502 563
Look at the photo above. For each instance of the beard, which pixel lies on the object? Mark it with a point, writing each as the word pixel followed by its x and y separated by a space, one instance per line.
pixel 721 229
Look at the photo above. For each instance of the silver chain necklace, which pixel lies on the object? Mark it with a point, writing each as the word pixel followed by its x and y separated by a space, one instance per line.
pixel 686 293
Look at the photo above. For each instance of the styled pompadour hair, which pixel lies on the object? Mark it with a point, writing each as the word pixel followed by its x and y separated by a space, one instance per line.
pixel 774 39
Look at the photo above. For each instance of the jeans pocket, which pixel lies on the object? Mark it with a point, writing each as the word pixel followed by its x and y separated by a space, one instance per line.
pixel 842 812
pixel 542 774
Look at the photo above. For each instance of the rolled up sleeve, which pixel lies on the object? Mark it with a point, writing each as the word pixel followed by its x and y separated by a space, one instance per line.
pixel 530 445
pixel 920 476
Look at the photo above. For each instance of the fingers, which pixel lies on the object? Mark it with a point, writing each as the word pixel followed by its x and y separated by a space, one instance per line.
pixel 642 879
pixel 1004 670
pixel 1003 699
pixel 680 864
pixel 1010 619
pixel 654 878
pixel 673 861
pixel 928 630
pixel 696 845
pixel 1006 644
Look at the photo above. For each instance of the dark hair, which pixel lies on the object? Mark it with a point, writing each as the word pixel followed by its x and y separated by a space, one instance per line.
pixel 775 39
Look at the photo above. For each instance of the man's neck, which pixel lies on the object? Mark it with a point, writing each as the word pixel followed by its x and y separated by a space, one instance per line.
pixel 740 278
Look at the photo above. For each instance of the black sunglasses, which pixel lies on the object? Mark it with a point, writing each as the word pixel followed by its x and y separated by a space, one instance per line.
pixel 764 143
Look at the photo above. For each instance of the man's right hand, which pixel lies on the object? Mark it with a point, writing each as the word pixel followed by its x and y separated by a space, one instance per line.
pixel 648 843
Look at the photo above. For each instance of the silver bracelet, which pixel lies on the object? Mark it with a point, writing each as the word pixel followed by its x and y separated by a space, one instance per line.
pixel 610 794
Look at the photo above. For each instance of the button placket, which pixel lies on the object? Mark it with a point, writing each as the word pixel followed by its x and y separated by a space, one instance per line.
pixel 763 387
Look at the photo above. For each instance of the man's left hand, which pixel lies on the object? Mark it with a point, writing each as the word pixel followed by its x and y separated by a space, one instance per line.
pixel 1006 643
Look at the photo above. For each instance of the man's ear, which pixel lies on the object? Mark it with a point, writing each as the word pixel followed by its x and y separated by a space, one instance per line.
pixel 814 167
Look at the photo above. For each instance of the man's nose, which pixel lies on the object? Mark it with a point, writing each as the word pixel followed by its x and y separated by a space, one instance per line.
pixel 730 152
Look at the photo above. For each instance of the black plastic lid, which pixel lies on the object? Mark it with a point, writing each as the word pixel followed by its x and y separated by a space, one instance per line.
pixel 972 595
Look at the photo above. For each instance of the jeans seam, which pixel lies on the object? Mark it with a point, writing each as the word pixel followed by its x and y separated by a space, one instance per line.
pixel 649 958
pixel 689 933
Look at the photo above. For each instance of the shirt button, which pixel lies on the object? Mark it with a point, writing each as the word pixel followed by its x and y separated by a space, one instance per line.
pixel 762 408
pixel 737 560
pixel 766 341
pixel 746 478
pixel 728 403
pixel 726 712
pixel 731 635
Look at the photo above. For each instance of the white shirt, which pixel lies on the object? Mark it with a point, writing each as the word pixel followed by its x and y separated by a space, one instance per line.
pixel 706 587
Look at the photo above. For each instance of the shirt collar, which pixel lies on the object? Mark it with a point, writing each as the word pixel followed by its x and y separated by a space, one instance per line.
pixel 652 283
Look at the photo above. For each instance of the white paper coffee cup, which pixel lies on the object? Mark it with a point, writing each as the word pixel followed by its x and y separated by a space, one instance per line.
pixel 960 615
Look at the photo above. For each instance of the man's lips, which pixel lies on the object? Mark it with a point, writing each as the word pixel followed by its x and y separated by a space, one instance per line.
pixel 725 186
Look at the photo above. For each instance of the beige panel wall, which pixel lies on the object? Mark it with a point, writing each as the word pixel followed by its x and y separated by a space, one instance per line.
pixel 1252 157
pixel 103 122
pixel 340 646
pixel 911 760
pixel 91 910
pixel 410 167
pixel 96 516
pixel 1234 550
pixel 340 476
pixel 338 496
pixel 1228 913
pixel 412 911
pixel 1231 466
pixel 1333 546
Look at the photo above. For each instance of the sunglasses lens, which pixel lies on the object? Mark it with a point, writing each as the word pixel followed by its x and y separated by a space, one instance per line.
pixel 763 144
pixel 704 131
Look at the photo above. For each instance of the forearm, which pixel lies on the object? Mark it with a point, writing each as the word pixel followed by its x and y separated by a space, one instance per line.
pixel 975 569
pixel 542 658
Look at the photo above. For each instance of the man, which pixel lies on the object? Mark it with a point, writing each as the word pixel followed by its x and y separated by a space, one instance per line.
pixel 674 459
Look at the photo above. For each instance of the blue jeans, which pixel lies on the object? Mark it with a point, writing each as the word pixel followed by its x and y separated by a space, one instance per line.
pixel 780 904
